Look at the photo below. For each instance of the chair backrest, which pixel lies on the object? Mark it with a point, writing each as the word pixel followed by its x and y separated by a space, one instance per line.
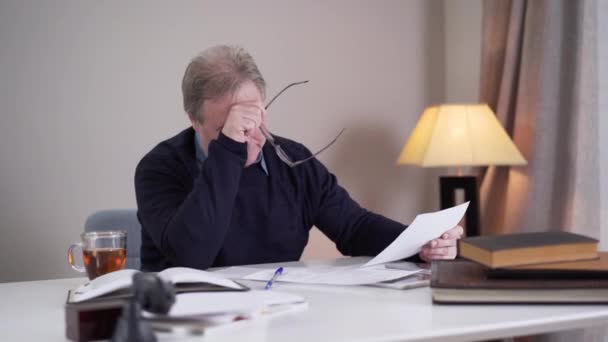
pixel 119 219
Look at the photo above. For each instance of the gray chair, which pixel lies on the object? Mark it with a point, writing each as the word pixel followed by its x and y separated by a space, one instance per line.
pixel 119 219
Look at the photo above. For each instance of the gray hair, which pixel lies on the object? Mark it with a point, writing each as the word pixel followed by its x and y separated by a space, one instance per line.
pixel 215 72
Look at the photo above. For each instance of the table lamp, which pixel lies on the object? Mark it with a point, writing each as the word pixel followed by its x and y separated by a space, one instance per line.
pixel 455 136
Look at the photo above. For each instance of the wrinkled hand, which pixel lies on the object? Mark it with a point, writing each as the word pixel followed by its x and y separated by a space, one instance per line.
pixel 242 121
pixel 443 247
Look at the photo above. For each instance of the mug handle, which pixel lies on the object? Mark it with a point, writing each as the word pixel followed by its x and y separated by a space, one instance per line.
pixel 71 257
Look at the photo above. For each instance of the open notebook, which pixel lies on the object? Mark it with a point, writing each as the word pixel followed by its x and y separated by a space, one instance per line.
pixel 118 284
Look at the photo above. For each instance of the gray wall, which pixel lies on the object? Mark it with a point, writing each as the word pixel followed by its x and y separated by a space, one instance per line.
pixel 602 58
pixel 88 87
pixel 462 50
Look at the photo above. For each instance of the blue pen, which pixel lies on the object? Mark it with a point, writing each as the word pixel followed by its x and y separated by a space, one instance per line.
pixel 276 274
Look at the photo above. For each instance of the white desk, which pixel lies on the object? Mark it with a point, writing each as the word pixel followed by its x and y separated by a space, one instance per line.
pixel 33 311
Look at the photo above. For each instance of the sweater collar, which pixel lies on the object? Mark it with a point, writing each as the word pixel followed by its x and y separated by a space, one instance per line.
pixel 201 156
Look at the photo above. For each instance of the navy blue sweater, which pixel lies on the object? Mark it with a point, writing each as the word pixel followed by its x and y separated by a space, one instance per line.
pixel 224 214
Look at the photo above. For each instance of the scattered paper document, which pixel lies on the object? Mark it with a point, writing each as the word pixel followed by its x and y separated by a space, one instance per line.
pixel 413 281
pixel 236 272
pixel 424 228
pixel 408 266
pixel 332 276
pixel 225 303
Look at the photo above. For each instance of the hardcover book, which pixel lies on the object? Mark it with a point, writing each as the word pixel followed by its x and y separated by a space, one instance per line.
pixel 527 248
pixel 595 268
pixel 462 281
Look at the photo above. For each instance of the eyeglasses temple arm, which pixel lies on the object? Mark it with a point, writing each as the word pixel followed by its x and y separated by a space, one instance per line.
pixel 263 128
pixel 320 151
pixel 266 134
pixel 282 91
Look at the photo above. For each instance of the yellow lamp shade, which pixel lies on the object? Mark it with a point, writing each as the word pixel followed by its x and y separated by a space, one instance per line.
pixel 459 135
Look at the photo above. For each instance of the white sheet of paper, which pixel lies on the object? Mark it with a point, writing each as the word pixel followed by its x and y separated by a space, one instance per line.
pixel 229 302
pixel 332 276
pixel 424 228
pixel 236 272
pixel 414 281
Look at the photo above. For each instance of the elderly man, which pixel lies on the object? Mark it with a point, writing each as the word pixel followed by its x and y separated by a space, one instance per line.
pixel 217 194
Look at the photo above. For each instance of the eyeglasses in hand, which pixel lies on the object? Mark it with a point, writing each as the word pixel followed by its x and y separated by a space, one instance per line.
pixel 277 148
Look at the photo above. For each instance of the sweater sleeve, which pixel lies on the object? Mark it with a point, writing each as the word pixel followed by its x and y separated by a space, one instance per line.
pixel 189 227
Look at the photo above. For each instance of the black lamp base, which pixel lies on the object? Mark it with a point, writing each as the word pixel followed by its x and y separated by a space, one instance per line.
pixel 447 189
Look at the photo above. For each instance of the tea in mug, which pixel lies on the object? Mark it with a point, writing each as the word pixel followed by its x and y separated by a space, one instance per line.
pixel 100 261
pixel 102 252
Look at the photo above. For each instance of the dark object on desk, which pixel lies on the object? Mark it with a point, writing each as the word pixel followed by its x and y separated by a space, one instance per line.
pixel 150 293
pixel 584 269
pixel 527 248
pixel 92 320
pixel 447 190
pixel 96 319
pixel 462 281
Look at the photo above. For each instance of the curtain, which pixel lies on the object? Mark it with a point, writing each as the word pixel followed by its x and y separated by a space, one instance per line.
pixel 539 73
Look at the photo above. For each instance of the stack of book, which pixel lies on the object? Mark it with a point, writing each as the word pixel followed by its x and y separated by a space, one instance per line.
pixel 546 267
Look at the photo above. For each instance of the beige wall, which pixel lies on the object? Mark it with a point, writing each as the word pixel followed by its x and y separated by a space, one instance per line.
pixel 88 87
pixel 462 27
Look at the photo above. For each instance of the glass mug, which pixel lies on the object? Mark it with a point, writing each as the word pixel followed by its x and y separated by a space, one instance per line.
pixel 102 252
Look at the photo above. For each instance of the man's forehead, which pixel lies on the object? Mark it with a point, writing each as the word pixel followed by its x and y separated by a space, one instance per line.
pixel 247 92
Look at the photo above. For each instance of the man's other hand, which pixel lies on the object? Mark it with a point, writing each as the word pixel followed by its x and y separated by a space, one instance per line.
pixel 443 247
